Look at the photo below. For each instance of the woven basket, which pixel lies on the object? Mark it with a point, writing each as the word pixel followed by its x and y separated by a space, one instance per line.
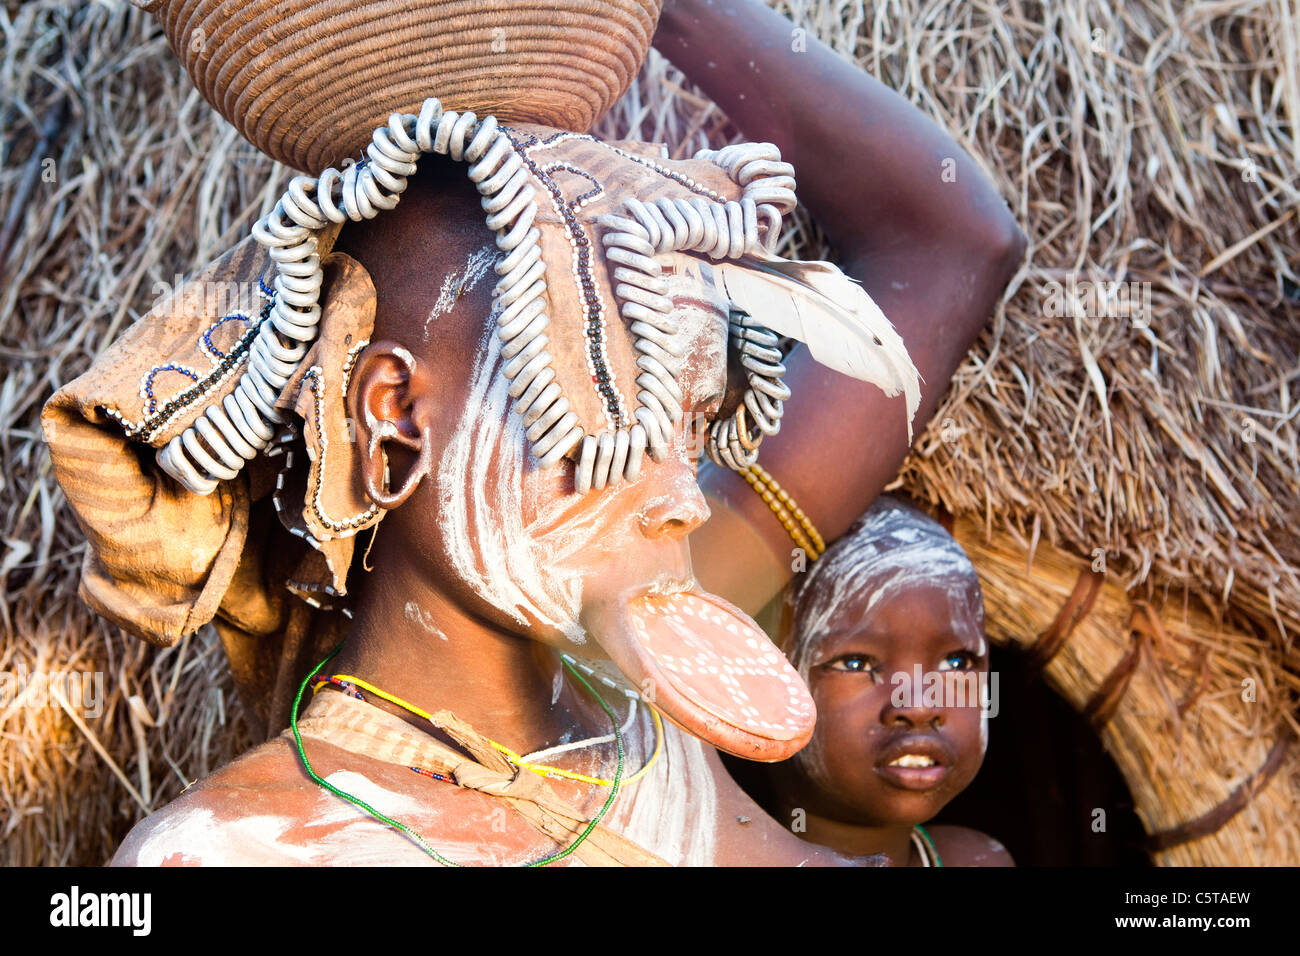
pixel 307 81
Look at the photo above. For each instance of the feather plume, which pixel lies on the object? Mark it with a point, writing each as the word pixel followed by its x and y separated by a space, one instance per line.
pixel 832 314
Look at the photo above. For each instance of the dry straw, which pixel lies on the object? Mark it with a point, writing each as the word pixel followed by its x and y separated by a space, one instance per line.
pixel 1137 142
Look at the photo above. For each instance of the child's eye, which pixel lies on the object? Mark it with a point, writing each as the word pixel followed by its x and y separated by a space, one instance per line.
pixel 959 661
pixel 855 664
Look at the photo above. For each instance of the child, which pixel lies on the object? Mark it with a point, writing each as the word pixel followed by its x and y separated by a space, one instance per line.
pixel 892 601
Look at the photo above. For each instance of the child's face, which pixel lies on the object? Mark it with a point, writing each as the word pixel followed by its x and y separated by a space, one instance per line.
pixel 871 761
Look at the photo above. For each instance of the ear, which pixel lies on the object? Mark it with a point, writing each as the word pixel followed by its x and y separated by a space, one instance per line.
pixel 396 451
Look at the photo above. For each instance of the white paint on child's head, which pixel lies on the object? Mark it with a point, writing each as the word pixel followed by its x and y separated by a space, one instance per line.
pixel 893 547
pixel 462 281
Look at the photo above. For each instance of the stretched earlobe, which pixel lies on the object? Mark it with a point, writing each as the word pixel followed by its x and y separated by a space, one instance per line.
pixel 374 470
pixel 384 399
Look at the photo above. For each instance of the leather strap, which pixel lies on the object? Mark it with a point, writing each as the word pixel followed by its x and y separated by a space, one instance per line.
pixel 1075 609
pixel 1216 818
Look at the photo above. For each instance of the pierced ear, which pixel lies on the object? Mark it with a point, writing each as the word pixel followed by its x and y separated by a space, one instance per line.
pixel 382 404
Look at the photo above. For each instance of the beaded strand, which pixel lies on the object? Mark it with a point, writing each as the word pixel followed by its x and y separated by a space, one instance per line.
pixel 415 837
pixel 349 684
pixel 792 517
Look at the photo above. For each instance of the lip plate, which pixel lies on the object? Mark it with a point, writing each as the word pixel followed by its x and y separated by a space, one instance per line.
pixel 676 702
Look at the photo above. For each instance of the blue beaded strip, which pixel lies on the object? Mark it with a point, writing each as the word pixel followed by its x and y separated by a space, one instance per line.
pixel 154 418
pixel 205 340
pixel 146 386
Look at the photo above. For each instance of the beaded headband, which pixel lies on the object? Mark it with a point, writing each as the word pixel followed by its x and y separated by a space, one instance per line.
pixel 725 205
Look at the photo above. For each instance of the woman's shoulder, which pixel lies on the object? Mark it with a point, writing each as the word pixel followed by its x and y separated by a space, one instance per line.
pixel 208 824
pixel 962 846
pixel 264 810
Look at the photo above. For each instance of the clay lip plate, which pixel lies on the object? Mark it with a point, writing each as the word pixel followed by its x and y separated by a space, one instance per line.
pixel 708 668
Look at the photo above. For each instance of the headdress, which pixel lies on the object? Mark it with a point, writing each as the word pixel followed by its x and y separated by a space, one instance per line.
pixel 558 203
pixel 585 231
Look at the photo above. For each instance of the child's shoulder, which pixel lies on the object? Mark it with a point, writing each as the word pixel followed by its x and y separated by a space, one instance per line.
pixel 962 846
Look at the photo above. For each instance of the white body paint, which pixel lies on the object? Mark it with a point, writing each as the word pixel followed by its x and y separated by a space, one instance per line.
pixel 673 810
pixel 457 284
pixel 345 834
pixel 418 615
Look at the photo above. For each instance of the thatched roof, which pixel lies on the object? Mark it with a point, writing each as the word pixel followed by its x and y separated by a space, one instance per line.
pixel 1137 144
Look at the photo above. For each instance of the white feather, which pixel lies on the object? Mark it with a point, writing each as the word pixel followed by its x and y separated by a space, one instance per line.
pixel 832 314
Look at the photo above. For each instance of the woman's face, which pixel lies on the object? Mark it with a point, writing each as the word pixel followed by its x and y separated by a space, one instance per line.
pixel 534 549
pixel 607 573
pixel 889 750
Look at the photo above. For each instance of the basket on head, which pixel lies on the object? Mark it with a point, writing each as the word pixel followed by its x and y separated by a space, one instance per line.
pixel 308 81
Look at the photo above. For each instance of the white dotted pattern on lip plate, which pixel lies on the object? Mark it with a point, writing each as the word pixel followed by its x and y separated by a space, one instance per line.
pixel 723 670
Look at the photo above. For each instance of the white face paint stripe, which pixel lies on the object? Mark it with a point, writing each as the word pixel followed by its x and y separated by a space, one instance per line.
pixel 518 568
pixel 456 284
pixel 482 520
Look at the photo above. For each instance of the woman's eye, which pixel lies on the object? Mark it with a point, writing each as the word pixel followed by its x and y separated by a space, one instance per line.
pixel 855 664
pixel 958 661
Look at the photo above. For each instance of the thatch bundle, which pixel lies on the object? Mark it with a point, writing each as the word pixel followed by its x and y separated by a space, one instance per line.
pixel 1195 713
pixel 1151 427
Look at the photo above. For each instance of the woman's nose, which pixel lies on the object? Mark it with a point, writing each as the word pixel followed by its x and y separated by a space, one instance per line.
pixel 673 505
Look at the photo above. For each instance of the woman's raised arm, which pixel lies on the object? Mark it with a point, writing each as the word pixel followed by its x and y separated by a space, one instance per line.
pixel 911 217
